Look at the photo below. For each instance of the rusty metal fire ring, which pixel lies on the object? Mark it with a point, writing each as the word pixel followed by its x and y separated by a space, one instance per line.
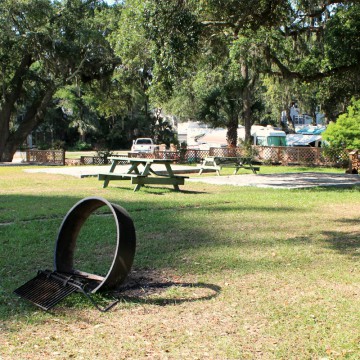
pixel 125 242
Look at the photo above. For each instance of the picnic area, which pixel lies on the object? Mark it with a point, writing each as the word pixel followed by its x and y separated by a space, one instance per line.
pixel 220 271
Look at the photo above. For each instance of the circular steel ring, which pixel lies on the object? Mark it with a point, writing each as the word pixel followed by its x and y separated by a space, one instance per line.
pixel 125 242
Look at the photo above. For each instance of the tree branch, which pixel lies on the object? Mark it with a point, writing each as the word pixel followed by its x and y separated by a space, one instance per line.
pixel 286 73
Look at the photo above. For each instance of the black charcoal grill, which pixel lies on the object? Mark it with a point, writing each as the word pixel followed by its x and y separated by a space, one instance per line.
pixel 48 288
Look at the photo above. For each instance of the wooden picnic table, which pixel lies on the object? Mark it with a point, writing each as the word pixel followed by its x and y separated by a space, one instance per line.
pixel 217 162
pixel 144 174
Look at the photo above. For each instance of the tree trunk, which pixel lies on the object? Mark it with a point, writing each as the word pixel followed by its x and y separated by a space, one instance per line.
pixel 291 125
pixel 231 134
pixel 9 99
pixel 247 113
pixel 246 95
pixel 33 117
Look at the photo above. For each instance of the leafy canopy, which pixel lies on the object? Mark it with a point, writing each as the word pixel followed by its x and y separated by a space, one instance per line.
pixel 345 133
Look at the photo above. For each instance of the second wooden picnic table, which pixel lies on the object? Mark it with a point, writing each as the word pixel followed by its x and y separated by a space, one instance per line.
pixel 142 175
pixel 217 162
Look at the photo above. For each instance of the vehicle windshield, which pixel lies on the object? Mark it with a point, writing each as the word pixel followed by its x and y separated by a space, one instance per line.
pixel 143 141
pixel 271 141
pixel 277 141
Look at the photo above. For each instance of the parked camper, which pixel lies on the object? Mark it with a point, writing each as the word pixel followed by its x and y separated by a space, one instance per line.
pixel 268 136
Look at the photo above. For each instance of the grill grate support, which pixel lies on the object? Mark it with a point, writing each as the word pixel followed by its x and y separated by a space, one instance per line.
pixel 46 289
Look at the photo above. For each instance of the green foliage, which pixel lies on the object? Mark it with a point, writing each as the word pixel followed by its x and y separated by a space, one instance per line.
pixel 247 150
pixel 162 131
pixel 345 132
pixel 52 44
pixel 59 145
pixel 174 48
pixel 81 146
pixel 342 37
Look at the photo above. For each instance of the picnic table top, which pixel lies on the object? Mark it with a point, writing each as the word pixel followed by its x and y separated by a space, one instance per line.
pixel 140 160
pixel 228 158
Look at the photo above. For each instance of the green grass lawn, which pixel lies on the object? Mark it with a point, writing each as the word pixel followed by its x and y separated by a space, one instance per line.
pixel 260 273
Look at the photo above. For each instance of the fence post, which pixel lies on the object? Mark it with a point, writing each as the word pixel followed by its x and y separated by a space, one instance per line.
pixel 279 157
pixel 317 156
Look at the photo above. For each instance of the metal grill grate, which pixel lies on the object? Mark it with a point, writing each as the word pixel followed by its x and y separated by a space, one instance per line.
pixel 46 289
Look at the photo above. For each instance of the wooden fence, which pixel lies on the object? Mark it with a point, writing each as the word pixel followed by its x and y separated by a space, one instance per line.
pixel 298 155
pixel 281 155
pixel 48 157
pixel 94 160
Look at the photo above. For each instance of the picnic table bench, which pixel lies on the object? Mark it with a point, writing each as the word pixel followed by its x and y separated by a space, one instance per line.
pixel 216 163
pixel 143 175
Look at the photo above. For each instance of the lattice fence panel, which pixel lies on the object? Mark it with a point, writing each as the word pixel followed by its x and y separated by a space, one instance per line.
pixel 56 157
pixel 225 152
pixel 287 155
pixel 181 156
pixel 94 160
pixel 299 155
pixel 271 154
pixel 144 155
pixel 334 157
pixel 191 156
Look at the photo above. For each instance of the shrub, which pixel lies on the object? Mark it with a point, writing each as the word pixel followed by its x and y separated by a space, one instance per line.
pixel 82 145
pixel 345 132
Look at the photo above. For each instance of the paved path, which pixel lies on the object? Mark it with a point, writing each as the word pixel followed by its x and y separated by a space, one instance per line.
pixel 283 181
pixel 278 181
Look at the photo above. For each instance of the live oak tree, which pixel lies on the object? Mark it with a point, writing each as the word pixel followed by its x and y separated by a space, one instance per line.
pixel 297 41
pixel 317 49
pixel 45 45
pixel 227 31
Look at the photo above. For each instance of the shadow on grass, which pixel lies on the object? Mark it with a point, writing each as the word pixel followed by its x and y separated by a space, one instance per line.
pixel 344 243
pixel 349 221
pixel 336 189
pixel 146 291
pixel 158 190
pixel 137 290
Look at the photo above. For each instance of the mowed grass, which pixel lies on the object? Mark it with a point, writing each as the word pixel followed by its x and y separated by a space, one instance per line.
pixel 232 272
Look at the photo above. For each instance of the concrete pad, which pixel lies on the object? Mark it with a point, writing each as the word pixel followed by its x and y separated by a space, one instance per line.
pixel 283 181
pixel 277 181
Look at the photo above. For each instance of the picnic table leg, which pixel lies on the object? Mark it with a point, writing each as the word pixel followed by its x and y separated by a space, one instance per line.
pixel 203 164
pixel 251 167
pixel 112 168
pixel 216 165
pixel 248 162
pixel 145 172
pixel 171 174
pixel 133 168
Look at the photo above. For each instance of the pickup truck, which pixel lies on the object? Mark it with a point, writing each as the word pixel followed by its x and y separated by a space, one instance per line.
pixel 145 145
